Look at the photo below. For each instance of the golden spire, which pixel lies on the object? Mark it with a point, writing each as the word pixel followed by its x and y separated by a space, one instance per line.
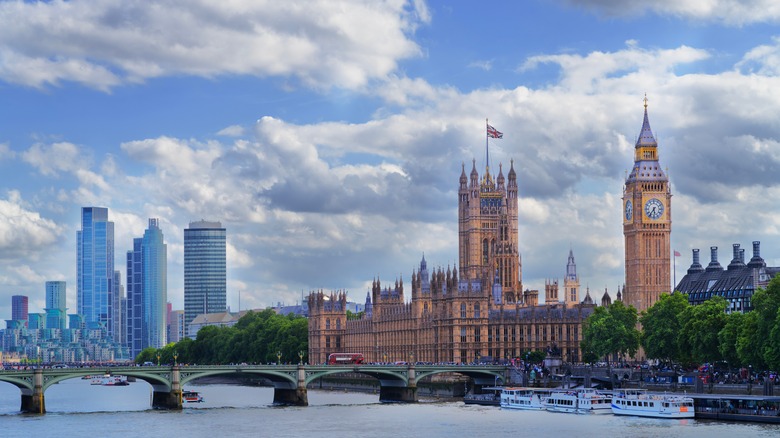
pixel 645 99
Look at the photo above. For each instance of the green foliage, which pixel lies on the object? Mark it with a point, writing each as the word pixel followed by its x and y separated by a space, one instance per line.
pixel 728 337
pixel 353 316
pixel 535 356
pixel 698 337
pixel 258 337
pixel 661 326
pixel 611 330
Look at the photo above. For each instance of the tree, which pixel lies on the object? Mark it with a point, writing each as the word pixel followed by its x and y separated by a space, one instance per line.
pixel 611 330
pixel 766 304
pixel 661 325
pixel 698 336
pixel 728 338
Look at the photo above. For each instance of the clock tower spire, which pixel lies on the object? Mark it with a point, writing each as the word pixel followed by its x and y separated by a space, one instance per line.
pixel 647 224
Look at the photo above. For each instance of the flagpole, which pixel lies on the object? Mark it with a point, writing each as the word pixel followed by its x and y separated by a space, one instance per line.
pixel 487 154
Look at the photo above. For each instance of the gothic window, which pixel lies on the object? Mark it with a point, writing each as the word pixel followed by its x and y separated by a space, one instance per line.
pixel 477 337
pixel 462 310
pixel 506 334
pixel 327 324
pixel 463 334
pixel 425 308
pixel 485 252
pixel 338 324
pixel 327 342
pixel 338 342
pixel 476 310
pixel 514 335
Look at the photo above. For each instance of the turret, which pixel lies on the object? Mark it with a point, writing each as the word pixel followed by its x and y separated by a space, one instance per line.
pixel 695 266
pixel 714 264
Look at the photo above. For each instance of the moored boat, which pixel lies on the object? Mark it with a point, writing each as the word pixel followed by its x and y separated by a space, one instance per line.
pixel 732 407
pixel 638 402
pixel 578 401
pixel 524 398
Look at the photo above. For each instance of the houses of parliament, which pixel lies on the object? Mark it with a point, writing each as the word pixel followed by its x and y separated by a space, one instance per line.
pixel 479 309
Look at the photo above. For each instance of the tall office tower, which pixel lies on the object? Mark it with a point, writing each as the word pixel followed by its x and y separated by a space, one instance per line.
pixel 56 312
pixel 95 295
pixel 647 224
pixel 147 291
pixel 120 315
pixel 19 308
pixel 205 284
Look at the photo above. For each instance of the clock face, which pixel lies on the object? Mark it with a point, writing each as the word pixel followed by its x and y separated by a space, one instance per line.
pixel 629 210
pixel 654 208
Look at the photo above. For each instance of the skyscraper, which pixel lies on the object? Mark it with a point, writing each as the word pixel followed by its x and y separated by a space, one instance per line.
pixel 147 291
pixel 19 308
pixel 205 284
pixel 56 312
pixel 96 298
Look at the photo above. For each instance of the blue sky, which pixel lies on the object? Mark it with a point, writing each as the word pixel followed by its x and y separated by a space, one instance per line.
pixel 328 136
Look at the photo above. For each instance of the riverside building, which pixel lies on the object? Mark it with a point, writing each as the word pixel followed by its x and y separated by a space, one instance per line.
pixel 479 310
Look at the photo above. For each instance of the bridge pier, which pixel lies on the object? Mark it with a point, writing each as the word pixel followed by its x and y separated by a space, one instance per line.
pixel 170 400
pixel 293 397
pixel 35 403
pixel 398 394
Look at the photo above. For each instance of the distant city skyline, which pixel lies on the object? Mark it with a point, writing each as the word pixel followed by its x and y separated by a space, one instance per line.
pixel 329 142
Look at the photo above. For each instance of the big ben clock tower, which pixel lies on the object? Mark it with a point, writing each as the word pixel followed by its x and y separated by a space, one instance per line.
pixel 647 224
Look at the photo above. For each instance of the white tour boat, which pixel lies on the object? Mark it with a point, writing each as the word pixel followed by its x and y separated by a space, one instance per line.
pixel 524 398
pixel 578 401
pixel 639 403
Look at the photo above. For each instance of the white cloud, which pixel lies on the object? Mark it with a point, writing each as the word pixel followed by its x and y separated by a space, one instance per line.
pixel 104 43
pixel 232 131
pixel 730 12
pixel 23 232
pixel 55 158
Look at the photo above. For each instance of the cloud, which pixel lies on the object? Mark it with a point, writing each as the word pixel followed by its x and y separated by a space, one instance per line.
pixel 232 131
pixel 729 12
pixel 23 232
pixel 104 44
pixel 51 160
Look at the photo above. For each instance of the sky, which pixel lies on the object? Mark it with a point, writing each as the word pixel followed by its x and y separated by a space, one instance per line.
pixel 328 135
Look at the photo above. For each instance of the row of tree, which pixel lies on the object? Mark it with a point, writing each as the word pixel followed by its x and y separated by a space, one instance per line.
pixel 675 331
pixel 258 337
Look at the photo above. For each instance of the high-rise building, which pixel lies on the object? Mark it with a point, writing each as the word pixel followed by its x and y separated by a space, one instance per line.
pixel 205 281
pixel 147 291
pixel 56 312
pixel 647 224
pixel 19 308
pixel 95 294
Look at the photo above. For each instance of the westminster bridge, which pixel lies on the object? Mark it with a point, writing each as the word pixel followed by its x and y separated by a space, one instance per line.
pixel 398 383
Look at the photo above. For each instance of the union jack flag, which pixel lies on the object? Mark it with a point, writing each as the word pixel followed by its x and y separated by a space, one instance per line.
pixel 494 133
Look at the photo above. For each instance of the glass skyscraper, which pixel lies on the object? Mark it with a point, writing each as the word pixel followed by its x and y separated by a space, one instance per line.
pixel 56 312
pixel 19 308
pixel 205 283
pixel 95 295
pixel 147 291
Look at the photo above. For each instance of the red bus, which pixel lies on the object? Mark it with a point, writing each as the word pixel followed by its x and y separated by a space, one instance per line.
pixel 345 358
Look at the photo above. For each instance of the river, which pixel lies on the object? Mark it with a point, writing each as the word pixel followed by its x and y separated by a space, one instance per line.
pixel 77 409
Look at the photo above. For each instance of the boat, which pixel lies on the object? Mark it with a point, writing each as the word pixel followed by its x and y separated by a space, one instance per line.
pixel 638 402
pixel 524 398
pixel 732 407
pixel 191 396
pixel 578 401
pixel 114 381
pixel 490 396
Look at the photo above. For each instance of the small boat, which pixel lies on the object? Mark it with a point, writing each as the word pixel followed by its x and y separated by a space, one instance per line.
pixel 490 396
pixel 579 401
pixel 524 398
pixel 639 403
pixel 114 381
pixel 191 396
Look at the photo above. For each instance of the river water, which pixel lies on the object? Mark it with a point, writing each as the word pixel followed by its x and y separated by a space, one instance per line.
pixel 77 409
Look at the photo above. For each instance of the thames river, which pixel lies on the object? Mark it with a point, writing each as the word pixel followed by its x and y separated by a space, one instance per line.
pixel 77 409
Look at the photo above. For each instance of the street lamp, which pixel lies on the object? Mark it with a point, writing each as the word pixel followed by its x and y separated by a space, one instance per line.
pixel 175 358
pixel 278 357
pixel 158 358
pixel 300 357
